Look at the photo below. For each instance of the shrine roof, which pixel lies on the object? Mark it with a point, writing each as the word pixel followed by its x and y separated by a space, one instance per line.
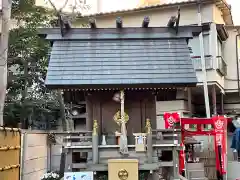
pixel 131 57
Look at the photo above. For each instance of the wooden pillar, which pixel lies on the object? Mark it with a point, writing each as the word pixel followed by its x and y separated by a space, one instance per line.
pixel 214 100
pixel 189 97
pixel 89 111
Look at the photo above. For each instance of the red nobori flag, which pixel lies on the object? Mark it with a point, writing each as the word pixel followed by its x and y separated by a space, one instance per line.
pixel 171 119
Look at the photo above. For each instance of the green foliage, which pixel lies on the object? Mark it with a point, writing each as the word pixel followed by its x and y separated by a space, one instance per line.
pixel 27 97
pixel 102 176
pixel 143 175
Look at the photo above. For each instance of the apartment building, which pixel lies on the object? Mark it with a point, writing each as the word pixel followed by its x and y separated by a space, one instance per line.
pixel 232 55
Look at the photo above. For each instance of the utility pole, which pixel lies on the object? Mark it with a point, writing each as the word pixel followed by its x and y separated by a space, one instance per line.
pixel 6 20
pixel 205 86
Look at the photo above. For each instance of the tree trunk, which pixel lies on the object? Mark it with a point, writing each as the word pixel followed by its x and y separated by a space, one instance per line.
pixel 24 117
pixel 6 17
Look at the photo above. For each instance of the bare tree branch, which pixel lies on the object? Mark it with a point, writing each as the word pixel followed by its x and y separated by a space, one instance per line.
pixel 55 8
pixel 64 5
pixel 77 5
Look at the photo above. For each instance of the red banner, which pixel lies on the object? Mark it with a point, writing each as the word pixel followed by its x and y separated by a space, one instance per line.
pixel 170 119
pixel 220 127
pixel 182 159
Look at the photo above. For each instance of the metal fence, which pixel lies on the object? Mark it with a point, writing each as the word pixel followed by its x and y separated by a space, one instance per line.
pixel 10 152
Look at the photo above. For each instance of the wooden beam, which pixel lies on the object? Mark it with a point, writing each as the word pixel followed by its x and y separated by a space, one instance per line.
pixel 92 23
pixel 119 23
pixel 172 21
pixel 178 19
pixel 145 22
pixel 65 24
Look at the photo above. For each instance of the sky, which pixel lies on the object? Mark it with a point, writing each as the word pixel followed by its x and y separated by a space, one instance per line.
pixel 235 10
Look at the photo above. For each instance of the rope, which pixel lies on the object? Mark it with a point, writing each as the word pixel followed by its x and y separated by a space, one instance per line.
pixel 6 148
pixel 2 128
pixel 10 167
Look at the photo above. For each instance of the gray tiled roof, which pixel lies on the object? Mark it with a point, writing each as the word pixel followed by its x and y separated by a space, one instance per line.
pixel 106 62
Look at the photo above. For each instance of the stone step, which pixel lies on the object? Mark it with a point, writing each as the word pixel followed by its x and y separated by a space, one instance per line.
pixel 199 178
pixel 194 166
pixel 196 173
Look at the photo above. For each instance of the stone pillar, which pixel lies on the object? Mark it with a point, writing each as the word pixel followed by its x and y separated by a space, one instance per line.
pixel 175 163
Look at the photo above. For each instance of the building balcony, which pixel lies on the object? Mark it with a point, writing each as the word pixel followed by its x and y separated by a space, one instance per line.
pixel 209 62
pixel 221 66
pixel 198 65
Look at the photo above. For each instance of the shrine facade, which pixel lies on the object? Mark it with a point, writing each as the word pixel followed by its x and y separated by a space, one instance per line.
pixel 117 73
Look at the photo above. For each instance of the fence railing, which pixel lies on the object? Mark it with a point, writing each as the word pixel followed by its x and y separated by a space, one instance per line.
pixel 95 155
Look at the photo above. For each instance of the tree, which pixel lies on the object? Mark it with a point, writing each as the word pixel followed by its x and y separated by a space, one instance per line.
pixel 27 97
pixel 76 7
pixel 28 100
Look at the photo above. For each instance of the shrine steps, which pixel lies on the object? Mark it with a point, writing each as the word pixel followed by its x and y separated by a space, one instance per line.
pixel 196 171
